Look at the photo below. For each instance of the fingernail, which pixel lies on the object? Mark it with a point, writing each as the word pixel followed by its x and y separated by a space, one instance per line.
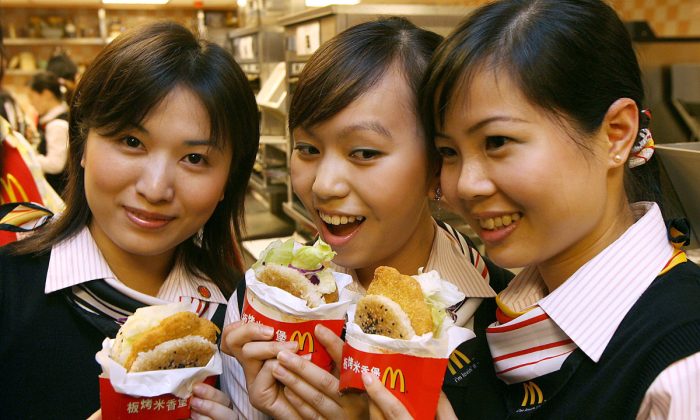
pixel 292 346
pixel 368 378
pixel 196 402
pixel 279 371
pixel 284 356
pixel 306 356
pixel 267 330
pixel 320 330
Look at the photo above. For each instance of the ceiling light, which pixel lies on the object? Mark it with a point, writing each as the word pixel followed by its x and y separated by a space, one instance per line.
pixel 135 1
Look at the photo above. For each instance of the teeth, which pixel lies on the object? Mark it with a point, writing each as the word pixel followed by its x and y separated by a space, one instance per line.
pixel 339 220
pixel 498 222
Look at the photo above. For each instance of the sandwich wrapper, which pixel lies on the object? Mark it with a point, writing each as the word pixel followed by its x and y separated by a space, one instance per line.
pixel 292 319
pixel 162 394
pixel 413 370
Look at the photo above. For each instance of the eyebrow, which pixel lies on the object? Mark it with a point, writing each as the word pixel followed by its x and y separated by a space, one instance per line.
pixel 484 122
pixel 193 142
pixel 374 126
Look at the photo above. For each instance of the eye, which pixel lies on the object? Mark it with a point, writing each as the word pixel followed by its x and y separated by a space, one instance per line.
pixel 447 152
pixel 496 142
pixel 365 154
pixel 131 141
pixel 195 159
pixel 306 149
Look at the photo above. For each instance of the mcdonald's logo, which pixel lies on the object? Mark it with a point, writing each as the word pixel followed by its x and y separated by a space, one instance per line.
pixel 455 361
pixel 12 189
pixel 301 338
pixel 394 376
pixel 533 393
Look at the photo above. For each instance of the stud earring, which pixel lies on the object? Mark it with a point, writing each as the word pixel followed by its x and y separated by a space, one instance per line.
pixel 617 158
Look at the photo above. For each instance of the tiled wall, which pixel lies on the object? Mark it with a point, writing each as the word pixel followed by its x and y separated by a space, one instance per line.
pixel 668 18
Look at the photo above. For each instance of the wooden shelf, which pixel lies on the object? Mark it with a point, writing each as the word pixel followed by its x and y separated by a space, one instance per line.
pixel 54 41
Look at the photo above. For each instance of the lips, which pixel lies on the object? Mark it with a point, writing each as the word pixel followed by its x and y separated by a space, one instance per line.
pixel 147 220
pixel 341 225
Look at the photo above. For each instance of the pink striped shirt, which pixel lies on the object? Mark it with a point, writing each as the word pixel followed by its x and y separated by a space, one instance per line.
pixel 78 260
pixel 592 303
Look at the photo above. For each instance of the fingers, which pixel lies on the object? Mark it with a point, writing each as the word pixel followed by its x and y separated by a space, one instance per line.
pixel 264 350
pixel 385 401
pixel 321 393
pixel 239 333
pixel 332 343
pixel 444 410
pixel 305 410
pixel 266 394
pixel 209 403
pixel 208 392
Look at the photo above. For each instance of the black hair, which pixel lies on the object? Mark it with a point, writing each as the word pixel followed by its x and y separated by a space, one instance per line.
pixel 62 66
pixel 46 81
pixel 572 58
pixel 353 62
pixel 125 82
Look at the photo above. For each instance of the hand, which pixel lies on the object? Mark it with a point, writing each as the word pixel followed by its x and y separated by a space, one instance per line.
pixel 384 405
pixel 97 415
pixel 314 391
pixel 250 344
pixel 209 403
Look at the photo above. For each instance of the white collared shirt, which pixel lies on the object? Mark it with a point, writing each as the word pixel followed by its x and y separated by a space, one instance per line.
pixel 591 304
pixel 78 260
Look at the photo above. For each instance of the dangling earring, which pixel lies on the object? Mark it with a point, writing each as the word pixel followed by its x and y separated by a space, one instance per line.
pixel 438 206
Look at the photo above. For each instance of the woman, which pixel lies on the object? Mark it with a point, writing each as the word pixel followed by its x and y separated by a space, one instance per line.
pixel 536 107
pixel 46 97
pixel 163 133
pixel 364 171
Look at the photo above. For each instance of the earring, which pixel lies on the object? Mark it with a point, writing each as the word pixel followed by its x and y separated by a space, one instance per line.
pixel 438 193
pixel 617 159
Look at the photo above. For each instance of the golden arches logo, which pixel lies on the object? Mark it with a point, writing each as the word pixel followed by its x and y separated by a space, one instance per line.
pixel 302 338
pixel 454 361
pixel 533 392
pixel 13 189
pixel 394 376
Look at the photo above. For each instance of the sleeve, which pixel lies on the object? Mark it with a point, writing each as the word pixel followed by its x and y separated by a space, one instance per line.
pixel 675 393
pixel 233 381
pixel 56 147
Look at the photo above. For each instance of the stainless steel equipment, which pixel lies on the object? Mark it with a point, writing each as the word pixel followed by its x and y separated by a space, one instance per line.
pixel 682 163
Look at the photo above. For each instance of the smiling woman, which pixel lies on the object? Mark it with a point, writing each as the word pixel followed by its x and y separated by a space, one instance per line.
pixel 163 137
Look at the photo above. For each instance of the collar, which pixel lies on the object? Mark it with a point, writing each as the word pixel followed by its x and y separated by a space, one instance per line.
pixel 54 112
pixel 591 304
pixel 450 261
pixel 67 270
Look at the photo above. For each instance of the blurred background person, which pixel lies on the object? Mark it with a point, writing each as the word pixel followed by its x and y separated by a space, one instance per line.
pixel 66 70
pixel 46 97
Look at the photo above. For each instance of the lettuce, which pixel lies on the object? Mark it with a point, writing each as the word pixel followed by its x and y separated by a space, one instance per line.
pixel 290 253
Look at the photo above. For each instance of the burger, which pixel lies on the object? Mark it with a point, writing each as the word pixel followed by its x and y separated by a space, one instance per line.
pixel 300 270
pixel 164 337
pixel 396 306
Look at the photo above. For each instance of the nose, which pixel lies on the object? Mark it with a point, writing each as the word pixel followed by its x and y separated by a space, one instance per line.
pixel 330 181
pixel 156 181
pixel 474 180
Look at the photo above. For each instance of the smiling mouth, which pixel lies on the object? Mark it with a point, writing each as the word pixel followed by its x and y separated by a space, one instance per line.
pixel 499 222
pixel 341 225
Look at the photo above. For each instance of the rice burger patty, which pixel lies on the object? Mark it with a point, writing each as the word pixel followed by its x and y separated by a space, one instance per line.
pixel 300 270
pixel 164 337
pixel 394 306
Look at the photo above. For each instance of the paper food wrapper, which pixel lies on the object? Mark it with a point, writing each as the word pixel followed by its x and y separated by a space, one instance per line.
pixel 413 370
pixel 160 393
pixel 292 319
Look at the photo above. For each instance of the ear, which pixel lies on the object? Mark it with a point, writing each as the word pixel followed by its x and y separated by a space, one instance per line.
pixel 620 126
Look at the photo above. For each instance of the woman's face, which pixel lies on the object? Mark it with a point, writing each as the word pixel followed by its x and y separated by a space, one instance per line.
pixel 153 186
pixel 514 172
pixel 362 175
